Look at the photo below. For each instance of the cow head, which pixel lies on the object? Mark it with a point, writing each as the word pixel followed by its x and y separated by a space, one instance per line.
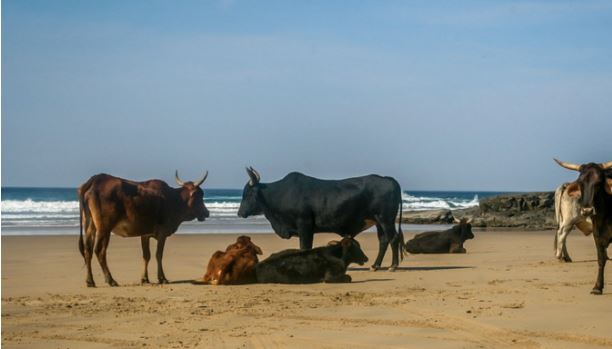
pixel 464 228
pixel 193 196
pixel 351 251
pixel 251 200
pixel 592 179
pixel 244 242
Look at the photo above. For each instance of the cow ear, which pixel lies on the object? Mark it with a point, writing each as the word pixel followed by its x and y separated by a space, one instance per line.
pixel 257 249
pixel 609 186
pixel 573 190
pixel 333 243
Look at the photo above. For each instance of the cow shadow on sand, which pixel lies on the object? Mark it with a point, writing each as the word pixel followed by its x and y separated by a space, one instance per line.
pixel 447 267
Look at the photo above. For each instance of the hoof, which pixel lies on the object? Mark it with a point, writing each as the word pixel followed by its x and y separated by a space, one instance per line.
pixel 596 291
pixel 392 268
pixel 374 267
pixel 163 281
pixel 144 281
pixel 113 283
pixel 91 284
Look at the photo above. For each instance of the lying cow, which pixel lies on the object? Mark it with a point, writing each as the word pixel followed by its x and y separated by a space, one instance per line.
pixel 568 216
pixel 326 263
pixel 448 241
pixel 234 266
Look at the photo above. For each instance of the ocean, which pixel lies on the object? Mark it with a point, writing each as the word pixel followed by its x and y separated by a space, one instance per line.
pixel 50 211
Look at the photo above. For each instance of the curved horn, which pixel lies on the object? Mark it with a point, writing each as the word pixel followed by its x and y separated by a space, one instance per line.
pixel 606 165
pixel 256 174
pixel 199 183
pixel 568 165
pixel 470 220
pixel 178 180
pixel 456 220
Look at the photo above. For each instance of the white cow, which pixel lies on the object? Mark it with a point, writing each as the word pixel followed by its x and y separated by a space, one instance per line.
pixel 567 215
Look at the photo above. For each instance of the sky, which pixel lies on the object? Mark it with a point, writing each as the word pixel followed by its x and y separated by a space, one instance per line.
pixel 445 95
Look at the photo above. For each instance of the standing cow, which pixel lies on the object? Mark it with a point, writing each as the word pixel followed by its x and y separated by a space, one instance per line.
pixel 568 216
pixel 596 201
pixel 300 205
pixel 149 209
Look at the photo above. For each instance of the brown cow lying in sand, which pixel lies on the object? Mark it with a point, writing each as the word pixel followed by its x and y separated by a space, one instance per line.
pixel 234 266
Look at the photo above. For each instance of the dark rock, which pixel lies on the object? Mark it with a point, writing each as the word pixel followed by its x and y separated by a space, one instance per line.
pixel 523 210
pixel 427 217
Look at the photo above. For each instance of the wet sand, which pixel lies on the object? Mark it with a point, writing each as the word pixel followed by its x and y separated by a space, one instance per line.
pixel 508 291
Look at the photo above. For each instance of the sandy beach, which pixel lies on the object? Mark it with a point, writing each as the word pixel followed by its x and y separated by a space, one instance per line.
pixel 508 291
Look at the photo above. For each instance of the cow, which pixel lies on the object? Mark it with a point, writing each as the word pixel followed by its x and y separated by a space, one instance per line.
pixel 596 202
pixel 234 266
pixel 567 215
pixel 327 263
pixel 150 209
pixel 300 205
pixel 447 241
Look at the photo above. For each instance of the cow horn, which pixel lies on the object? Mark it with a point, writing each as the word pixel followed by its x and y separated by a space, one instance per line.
pixel 606 165
pixel 256 174
pixel 199 183
pixel 568 165
pixel 456 220
pixel 470 220
pixel 253 175
pixel 178 180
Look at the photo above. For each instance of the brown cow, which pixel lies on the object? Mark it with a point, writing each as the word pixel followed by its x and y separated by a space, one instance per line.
pixel 150 209
pixel 596 202
pixel 234 266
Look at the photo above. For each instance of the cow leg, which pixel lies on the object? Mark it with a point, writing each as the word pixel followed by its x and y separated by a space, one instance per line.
pixel 102 240
pixel 602 257
pixel 159 254
pixel 146 256
pixel 383 244
pixel 391 236
pixel 90 231
pixel 336 272
pixel 457 248
pixel 306 234
pixel 562 234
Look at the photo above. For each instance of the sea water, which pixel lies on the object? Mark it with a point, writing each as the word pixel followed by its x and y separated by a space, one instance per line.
pixel 48 211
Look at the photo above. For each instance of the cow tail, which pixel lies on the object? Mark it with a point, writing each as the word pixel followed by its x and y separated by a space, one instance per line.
pixel 81 244
pixel 400 232
pixel 82 209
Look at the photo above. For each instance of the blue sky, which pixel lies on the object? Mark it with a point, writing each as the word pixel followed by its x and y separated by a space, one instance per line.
pixel 440 95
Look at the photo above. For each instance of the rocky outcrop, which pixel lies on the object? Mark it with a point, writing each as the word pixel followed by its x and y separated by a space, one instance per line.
pixel 528 210
pixel 427 217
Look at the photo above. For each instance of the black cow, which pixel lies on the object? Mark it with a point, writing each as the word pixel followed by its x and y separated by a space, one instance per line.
pixel 326 263
pixel 299 205
pixel 448 241
pixel 596 201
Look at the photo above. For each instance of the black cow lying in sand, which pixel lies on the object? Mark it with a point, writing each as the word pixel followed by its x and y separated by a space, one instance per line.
pixel 448 241
pixel 326 263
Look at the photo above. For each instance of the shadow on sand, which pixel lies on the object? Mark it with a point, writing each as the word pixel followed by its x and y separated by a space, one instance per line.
pixel 414 268
pixel 369 280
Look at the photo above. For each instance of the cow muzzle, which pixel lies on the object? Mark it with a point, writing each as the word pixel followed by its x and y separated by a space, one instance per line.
pixel 587 211
pixel 203 216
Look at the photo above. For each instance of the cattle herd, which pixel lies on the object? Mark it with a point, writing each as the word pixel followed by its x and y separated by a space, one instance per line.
pixel 300 206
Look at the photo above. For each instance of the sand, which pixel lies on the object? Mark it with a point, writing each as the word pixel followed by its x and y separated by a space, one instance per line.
pixel 508 291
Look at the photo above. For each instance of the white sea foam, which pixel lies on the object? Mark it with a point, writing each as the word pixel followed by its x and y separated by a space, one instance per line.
pixel 49 213
pixel 39 206
pixel 422 203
